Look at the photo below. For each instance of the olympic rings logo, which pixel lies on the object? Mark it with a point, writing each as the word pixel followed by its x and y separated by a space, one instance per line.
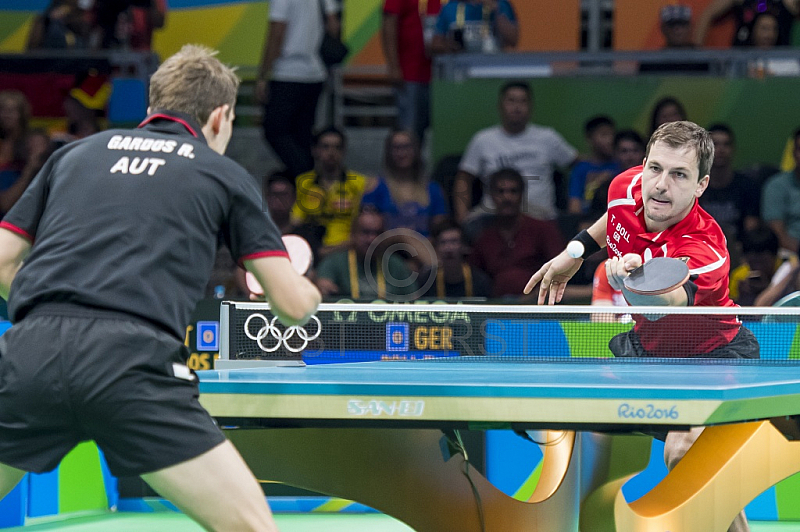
pixel 271 329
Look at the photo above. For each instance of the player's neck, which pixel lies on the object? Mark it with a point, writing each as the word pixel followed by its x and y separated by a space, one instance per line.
pixel 654 226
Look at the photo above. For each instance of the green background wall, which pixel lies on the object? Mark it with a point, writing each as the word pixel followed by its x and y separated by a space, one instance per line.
pixel 762 112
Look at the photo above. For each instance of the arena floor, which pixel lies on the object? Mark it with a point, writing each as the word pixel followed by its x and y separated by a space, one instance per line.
pixel 173 522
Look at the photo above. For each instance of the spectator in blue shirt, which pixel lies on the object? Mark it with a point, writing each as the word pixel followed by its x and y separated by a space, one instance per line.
pixel 404 195
pixel 597 169
pixel 476 26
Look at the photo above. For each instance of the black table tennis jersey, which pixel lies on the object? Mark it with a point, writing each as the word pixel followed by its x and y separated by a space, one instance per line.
pixel 128 220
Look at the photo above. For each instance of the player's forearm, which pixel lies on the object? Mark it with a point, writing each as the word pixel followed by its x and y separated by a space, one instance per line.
pixel 295 302
pixel 13 250
pixel 7 273
pixel 298 309
pixel 598 230
pixel 292 297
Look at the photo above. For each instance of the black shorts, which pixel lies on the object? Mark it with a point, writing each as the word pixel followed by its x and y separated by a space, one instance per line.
pixel 69 374
pixel 744 345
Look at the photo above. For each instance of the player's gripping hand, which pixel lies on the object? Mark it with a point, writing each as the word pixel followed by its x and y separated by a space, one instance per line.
pixel 553 277
pixel 618 268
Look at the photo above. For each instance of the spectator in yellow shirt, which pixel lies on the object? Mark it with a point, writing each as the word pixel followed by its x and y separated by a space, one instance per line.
pixel 330 194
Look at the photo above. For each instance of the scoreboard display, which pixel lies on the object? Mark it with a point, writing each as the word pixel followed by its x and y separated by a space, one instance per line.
pixel 356 335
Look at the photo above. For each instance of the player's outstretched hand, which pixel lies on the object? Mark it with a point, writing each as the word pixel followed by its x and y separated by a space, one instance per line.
pixel 618 268
pixel 553 277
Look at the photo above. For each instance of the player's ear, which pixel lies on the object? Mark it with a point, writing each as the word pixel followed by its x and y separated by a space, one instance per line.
pixel 702 185
pixel 218 116
pixel 215 120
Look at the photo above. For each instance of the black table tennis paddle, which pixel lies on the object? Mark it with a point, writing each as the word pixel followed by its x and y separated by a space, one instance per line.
pixel 658 275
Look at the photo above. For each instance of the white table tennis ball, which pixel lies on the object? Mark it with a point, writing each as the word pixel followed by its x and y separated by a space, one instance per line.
pixel 575 249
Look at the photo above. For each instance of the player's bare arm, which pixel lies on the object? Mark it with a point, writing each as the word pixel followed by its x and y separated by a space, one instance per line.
pixel 13 250
pixel 292 297
pixel 555 274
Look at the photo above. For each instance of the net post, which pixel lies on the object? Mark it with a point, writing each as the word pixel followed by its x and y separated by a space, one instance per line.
pixel 224 328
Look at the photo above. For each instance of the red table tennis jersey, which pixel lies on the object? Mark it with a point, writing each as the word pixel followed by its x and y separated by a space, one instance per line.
pixel 697 237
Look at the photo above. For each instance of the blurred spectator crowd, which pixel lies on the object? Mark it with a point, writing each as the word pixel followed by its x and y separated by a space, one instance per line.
pixel 519 192
pixel 473 227
pixel 97 24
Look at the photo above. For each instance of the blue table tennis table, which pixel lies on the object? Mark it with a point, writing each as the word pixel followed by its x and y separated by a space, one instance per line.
pixel 370 432
pixel 588 395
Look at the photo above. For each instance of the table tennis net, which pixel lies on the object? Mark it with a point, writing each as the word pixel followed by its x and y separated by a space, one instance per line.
pixel 351 332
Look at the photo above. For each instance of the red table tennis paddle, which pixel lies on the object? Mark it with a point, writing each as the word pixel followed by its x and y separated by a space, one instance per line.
pixel 658 275
pixel 300 255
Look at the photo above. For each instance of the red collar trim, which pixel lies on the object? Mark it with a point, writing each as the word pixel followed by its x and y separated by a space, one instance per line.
pixel 182 122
